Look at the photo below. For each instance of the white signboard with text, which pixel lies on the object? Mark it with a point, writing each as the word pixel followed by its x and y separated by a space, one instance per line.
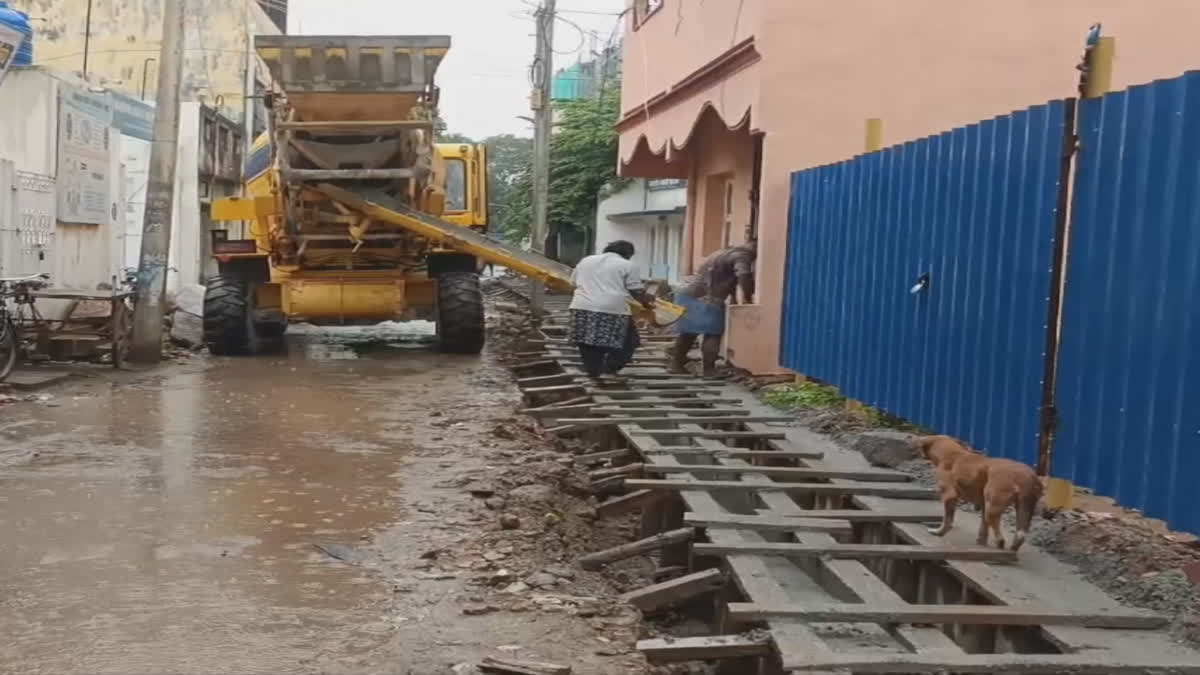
pixel 84 151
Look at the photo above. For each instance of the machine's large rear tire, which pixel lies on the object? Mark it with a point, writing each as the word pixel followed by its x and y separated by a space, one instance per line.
pixel 460 324
pixel 226 314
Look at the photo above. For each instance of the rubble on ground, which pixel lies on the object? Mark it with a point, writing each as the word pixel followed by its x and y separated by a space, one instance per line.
pixel 187 316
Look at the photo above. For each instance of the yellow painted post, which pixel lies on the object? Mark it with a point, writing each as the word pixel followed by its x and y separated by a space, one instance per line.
pixel 1100 67
pixel 874 136
pixel 1060 493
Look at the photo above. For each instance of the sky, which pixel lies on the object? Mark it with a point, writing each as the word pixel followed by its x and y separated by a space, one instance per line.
pixel 485 77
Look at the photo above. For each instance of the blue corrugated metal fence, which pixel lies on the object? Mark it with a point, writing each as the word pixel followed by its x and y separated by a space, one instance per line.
pixel 1128 389
pixel 971 210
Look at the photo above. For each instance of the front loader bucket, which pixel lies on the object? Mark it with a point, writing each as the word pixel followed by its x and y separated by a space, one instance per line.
pixel 348 78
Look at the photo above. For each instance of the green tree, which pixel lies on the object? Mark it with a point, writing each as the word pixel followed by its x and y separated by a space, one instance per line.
pixel 583 162
pixel 509 159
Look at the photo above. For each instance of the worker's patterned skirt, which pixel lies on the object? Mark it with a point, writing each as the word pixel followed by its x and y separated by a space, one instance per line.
pixel 598 329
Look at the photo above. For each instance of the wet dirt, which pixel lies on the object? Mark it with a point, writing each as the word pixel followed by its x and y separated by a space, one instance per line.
pixel 306 513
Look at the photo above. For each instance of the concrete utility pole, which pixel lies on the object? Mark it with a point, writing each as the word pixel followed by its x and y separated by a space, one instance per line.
pixel 543 74
pixel 248 93
pixel 160 192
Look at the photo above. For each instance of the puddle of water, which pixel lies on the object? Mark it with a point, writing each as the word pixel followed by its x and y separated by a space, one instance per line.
pixel 169 526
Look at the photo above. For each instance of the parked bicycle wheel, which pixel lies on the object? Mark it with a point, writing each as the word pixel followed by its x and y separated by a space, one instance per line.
pixel 8 348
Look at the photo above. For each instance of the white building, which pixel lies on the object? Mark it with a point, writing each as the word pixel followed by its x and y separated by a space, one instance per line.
pixel 73 169
pixel 650 215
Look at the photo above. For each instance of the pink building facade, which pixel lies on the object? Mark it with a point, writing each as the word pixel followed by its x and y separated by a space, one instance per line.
pixel 734 95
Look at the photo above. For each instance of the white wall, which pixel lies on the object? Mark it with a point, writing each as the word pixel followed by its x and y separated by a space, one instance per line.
pixel 186 231
pixel 630 198
pixel 634 198
pixel 84 255
pixel 135 158
pixel 29 129
pixel 186 249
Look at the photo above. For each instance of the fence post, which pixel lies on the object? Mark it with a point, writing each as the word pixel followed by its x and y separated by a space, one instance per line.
pixel 1098 70
pixel 874 135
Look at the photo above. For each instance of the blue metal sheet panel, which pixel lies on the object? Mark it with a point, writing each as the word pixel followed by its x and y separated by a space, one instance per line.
pixel 1128 386
pixel 973 208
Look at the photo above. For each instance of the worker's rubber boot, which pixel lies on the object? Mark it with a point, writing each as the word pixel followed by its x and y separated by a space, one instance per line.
pixel 679 352
pixel 710 348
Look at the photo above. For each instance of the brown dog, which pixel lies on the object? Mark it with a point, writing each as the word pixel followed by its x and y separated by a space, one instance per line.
pixel 991 484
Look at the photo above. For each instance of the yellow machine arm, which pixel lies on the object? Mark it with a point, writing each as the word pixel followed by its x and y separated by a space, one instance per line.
pixel 554 274
pixel 382 207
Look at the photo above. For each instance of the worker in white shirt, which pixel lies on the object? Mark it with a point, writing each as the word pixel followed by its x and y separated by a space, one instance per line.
pixel 601 321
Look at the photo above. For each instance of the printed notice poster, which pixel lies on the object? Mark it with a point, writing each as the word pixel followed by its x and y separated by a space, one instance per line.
pixel 85 140
pixel 10 40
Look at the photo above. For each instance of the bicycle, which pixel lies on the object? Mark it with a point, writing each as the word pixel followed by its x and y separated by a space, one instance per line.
pixel 20 290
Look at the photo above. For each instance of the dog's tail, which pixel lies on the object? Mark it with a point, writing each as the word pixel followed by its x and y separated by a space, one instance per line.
pixel 1026 505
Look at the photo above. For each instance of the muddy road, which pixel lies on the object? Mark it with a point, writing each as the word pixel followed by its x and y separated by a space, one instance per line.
pixel 315 512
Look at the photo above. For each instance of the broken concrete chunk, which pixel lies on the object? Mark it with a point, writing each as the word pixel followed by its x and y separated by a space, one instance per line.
pixel 884 448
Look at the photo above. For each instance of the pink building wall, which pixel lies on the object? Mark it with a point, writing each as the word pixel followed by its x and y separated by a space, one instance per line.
pixel 822 68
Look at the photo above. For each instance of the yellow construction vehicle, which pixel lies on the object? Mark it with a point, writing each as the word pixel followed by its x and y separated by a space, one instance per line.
pixel 356 214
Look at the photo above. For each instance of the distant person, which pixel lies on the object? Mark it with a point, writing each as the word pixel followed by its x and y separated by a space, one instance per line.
pixel 601 322
pixel 703 296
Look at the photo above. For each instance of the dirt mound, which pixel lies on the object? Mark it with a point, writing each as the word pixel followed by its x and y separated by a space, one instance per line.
pixel 1131 561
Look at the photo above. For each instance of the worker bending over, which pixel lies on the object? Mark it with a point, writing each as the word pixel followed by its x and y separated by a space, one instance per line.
pixel 703 296
pixel 601 322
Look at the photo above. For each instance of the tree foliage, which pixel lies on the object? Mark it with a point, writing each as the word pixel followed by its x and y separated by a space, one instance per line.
pixel 583 160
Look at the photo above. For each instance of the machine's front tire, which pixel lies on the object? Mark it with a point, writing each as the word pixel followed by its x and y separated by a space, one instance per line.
pixel 460 323
pixel 226 316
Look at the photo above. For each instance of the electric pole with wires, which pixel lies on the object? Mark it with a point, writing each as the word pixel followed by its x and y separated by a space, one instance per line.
pixel 539 100
pixel 146 346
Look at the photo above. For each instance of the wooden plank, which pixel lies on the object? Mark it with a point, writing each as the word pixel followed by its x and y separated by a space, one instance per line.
pixel 712 648
pixel 578 400
pixel 772 523
pixel 676 419
pixel 975 615
pixel 755 579
pixel 536 363
pixel 735 453
pixel 622 410
pixel 597 560
pixel 645 339
pixel 602 455
pixel 675 591
pixel 876 475
pixel 902 490
pixel 1037 580
pixel 618 406
pixel 628 393
pixel 623 470
pixel 1086 663
pixel 769 521
pixel 551 413
pixel 552 389
pixel 514 667
pixel 538 380
pixel 713 435
pixel 627 503
pixel 607 486
pixel 853 551
pixel 849 580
